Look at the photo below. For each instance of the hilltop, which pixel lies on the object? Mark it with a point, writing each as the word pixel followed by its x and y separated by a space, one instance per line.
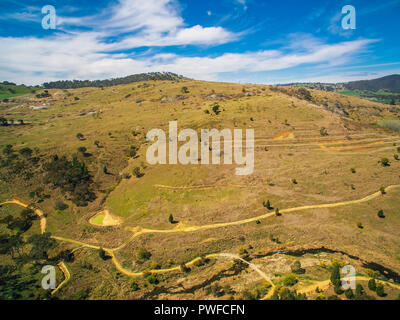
pixel 73 84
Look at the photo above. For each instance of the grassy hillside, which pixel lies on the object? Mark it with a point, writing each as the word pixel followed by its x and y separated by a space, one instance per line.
pixel 312 148
pixel 11 90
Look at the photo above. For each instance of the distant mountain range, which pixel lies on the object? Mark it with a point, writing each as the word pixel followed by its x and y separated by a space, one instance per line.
pixel 384 90
pixel 388 83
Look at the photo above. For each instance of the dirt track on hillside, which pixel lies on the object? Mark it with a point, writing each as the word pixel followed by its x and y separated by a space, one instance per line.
pixel 180 228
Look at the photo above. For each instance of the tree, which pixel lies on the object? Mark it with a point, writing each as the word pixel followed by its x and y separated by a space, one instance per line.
pixel 79 136
pixel 26 152
pixel 335 275
pixel 7 150
pixel 381 214
pixel 82 149
pixel 349 293
pixel 277 213
pixel 171 218
pixel 102 254
pixel 359 290
pixel 380 290
pixel 372 285
pixel 267 205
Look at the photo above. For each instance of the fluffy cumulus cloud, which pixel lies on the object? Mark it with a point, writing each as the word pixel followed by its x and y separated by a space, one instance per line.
pixel 89 53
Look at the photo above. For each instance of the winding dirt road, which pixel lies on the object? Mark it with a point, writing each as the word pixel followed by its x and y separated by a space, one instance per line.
pixel 66 273
pixel 37 211
pixel 185 228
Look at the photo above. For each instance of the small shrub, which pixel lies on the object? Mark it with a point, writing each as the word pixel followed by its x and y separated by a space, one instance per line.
pixel 323 131
pixel 184 268
pixel 137 173
pixel 143 254
pixel 185 90
pixel 382 190
pixel 134 286
pixel 296 267
pixel 359 225
pixel 385 162
pixel 80 136
pixel 353 170
pixel 155 265
pixel 60 205
pixel 152 279
pixel 267 204
pixel 242 251
pixel 216 110
pixel 289 280
pixel 82 149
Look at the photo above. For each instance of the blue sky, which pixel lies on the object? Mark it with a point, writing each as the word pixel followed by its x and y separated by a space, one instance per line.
pixel 245 41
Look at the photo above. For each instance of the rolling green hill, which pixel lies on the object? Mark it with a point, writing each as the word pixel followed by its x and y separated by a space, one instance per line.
pixel 9 90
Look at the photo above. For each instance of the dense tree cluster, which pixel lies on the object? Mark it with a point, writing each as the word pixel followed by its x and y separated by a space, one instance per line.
pixel 71 177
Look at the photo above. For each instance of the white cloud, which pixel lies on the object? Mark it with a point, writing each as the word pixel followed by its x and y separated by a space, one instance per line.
pixel 84 56
pixel 148 23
